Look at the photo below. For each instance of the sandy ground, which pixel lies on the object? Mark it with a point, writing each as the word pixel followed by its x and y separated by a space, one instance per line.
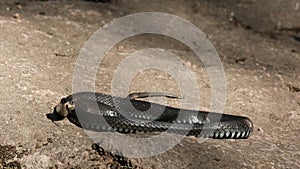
pixel 258 43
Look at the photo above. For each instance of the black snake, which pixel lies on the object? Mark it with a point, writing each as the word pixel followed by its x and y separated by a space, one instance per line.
pixel 93 108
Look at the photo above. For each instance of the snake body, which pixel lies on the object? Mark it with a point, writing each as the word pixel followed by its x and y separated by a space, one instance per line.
pixel 101 112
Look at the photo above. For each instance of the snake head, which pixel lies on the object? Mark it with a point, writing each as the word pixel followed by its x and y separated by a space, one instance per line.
pixel 65 107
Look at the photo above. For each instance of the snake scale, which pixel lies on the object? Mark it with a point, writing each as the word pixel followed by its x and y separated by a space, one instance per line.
pixel 101 112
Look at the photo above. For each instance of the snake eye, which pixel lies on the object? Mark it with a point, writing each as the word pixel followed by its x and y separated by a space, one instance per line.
pixel 70 105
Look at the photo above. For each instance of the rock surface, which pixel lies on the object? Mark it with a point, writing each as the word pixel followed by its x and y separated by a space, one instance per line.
pixel 258 43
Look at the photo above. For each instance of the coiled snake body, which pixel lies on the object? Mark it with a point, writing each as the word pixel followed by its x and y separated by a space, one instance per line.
pixel 101 112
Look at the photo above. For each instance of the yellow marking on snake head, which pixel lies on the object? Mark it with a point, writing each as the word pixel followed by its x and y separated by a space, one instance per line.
pixel 64 109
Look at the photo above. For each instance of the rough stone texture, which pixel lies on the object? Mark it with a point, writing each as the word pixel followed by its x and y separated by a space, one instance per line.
pixel 258 43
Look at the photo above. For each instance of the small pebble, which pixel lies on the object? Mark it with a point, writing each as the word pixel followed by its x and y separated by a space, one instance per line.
pixel 121 48
pixel 38 145
pixel 134 162
pixel 188 64
pixel 217 159
pixel 50 140
pixel 114 166
pixel 95 146
pixel 17 16
pixel 19 7
pixel 296 6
